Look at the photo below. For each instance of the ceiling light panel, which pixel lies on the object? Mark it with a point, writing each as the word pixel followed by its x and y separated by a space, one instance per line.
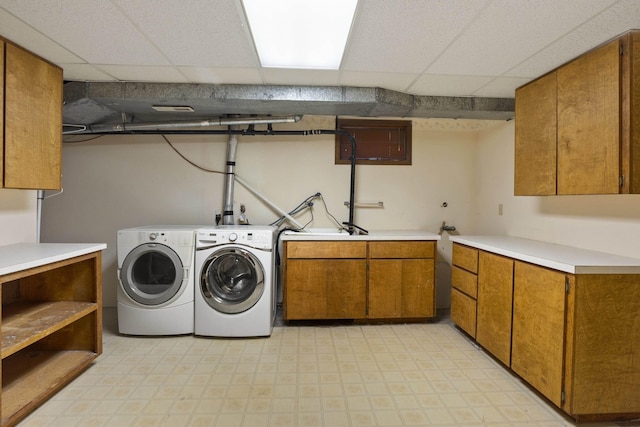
pixel 308 34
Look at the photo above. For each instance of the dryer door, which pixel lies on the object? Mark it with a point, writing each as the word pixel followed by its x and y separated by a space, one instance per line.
pixel 152 274
pixel 232 280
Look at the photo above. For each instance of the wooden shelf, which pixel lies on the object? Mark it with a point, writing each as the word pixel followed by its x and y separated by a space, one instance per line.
pixel 30 377
pixel 26 323
pixel 51 326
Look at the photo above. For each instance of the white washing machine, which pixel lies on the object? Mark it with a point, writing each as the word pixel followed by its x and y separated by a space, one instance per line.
pixel 235 293
pixel 156 280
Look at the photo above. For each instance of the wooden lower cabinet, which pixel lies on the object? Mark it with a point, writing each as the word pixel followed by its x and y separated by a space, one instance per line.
pixel 495 293
pixel 358 280
pixel 538 328
pixel 602 361
pixel 401 288
pixel 572 337
pixel 464 288
pixel 326 289
pixel 51 330
pixel 463 311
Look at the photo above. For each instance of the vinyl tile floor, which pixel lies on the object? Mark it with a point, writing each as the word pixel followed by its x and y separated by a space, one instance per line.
pixel 426 374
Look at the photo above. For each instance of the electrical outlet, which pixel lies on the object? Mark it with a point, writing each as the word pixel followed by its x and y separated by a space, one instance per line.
pixel 500 209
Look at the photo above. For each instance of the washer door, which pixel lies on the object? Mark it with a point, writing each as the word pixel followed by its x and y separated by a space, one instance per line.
pixel 152 274
pixel 232 280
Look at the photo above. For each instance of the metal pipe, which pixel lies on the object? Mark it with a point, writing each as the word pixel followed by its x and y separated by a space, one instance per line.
pixel 227 213
pixel 253 132
pixel 151 126
pixel 268 202
pixel 40 196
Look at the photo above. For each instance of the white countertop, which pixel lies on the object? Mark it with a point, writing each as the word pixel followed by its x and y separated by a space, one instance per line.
pixel 558 257
pixel 23 256
pixel 327 234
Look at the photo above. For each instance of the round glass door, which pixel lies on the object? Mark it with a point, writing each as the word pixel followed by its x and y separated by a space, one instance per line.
pixel 232 280
pixel 152 274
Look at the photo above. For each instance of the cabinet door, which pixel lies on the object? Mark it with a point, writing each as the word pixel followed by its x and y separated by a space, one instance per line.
pixel 33 121
pixel 325 289
pixel 463 311
pixel 535 137
pixel 2 48
pixel 538 328
pixel 401 288
pixel 495 292
pixel 589 123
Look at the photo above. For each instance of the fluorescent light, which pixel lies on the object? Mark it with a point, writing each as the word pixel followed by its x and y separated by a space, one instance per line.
pixel 300 33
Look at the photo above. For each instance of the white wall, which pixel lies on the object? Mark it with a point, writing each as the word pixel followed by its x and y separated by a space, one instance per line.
pixel 18 216
pixel 122 181
pixel 607 223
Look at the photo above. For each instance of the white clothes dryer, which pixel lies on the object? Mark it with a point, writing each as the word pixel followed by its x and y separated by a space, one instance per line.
pixel 235 293
pixel 156 280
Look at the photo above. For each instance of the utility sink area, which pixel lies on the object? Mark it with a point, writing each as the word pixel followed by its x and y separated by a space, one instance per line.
pixel 329 274
pixel 338 234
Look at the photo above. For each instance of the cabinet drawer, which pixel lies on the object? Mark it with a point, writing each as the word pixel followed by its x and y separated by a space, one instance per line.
pixel 401 249
pixel 465 257
pixel 463 312
pixel 464 281
pixel 324 249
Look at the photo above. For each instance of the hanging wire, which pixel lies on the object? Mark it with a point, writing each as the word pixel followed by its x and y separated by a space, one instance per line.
pixel 68 141
pixel 202 168
pixel 305 204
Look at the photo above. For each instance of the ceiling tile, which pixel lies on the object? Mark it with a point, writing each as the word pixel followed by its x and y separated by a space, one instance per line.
pixel 204 33
pixel 140 73
pixel 15 29
pixel 280 76
pixel 85 72
pixel 495 42
pixel 501 87
pixel 439 85
pixel 96 31
pixel 394 81
pixel 619 18
pixel 213 75
pixel 405 35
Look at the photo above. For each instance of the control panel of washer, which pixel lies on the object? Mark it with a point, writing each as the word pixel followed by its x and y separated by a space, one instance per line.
pixel 258 239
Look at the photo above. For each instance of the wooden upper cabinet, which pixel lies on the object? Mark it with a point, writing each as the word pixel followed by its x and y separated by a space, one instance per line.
pixel 577 128
pixel 32 121
pixel 2 47
pixel 589 123
pixel 535 149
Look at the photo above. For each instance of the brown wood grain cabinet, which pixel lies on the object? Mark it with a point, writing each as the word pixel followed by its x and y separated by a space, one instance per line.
pixel 575 339
pixel 481 298
pixel 32 120
pixel 358 280
pixel 538 328
pixel 325 280
pixel 577 125
pixel 572 337
pixel 464 288
pixel 51 330
pixel 401 280
pixel 495 293
pixel 535 140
